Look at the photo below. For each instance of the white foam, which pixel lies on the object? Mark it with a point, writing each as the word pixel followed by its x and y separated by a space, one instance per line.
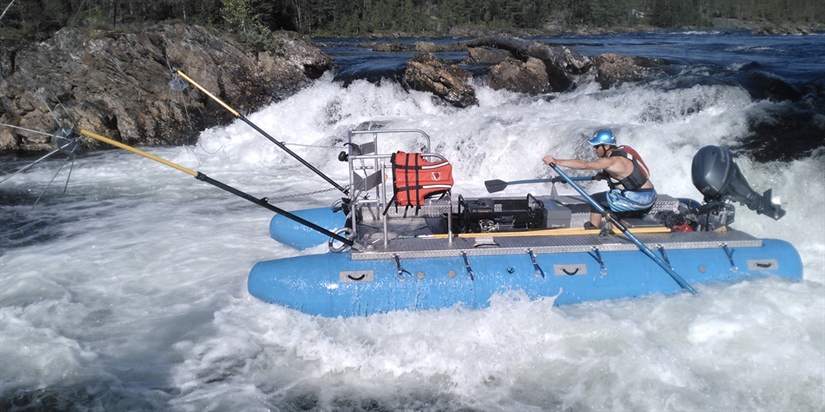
pixel 140 301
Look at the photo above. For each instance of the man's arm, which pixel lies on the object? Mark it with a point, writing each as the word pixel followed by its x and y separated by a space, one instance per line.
pixel 579 164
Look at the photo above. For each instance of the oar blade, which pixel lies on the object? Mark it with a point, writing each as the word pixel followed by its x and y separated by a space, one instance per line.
pixel 495 185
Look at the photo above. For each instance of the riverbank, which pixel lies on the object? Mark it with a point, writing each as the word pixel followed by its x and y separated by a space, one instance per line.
pixel 119 83
pixel 559 29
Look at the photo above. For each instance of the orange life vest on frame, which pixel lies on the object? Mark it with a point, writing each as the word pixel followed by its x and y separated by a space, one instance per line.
pixel 415 179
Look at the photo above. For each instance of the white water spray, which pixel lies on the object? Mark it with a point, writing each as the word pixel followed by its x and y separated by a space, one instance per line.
pixel 136 299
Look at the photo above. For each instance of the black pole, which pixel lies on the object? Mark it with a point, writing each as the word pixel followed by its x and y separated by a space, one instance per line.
pixel 265 134
pixel 262 202
pixel 202 177
pixel 293 154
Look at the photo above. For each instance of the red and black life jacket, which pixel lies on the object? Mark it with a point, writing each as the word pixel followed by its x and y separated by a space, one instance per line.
pixel 416 179
pixel 640 174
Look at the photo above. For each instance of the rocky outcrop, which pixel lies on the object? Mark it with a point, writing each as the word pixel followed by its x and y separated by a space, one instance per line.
pixel 419 46
pixel 614 69
pixel 783 29
pixel 561 65
pixel 515 75
pixel 720 23
pixel 515 65
pixel 525 67
pixel 535 67
pixel 123 84
pixel 117 83
pixel 486 56
pixel 449 82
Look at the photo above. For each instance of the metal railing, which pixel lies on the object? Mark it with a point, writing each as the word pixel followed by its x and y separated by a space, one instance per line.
pixel 365 156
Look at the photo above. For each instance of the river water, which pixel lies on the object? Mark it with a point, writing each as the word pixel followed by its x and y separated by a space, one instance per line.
pixel 128 291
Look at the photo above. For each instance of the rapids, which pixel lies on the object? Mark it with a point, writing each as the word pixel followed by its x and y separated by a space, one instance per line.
pixel 128 292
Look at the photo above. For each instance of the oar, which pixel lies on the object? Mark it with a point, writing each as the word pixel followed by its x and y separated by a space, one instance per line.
pixel 497 185
pixel 265 134
pixel 627 233
pixel 202 177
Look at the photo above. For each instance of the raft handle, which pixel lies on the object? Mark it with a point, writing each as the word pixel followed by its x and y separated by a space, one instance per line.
pixel 467 265
pixel 539 273
pixel 598 256
pixel 729 252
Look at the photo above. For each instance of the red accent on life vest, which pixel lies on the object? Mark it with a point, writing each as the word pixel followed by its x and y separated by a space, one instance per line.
pixel 416 179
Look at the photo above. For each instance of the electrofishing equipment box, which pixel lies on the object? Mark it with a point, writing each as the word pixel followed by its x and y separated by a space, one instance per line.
pixel 556 215
pixel 511 214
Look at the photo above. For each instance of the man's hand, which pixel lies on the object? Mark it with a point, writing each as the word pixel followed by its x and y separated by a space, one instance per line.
pixel 601 176
pixel 548 160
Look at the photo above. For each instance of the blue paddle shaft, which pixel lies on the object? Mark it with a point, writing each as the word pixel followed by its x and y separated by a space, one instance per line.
pixel 547 179
pixel 629 235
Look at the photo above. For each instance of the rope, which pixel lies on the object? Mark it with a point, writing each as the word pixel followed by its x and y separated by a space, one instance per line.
pixel 276 198
pixel 310 145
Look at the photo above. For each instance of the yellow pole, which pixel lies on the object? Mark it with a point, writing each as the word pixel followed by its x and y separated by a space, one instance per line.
pixel 200 176
pixel 136 151
pixel 226 106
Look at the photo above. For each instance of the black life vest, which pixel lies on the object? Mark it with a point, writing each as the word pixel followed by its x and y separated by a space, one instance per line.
pixel 638 177
pixel 415 179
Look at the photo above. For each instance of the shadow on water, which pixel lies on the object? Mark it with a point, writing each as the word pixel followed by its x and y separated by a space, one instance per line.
pixel 27 221
pixel 791 125
pixel 785 132
pixel 24 225
pixel 67 398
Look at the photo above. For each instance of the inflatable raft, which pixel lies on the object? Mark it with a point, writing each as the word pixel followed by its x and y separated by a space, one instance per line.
pixel 406 242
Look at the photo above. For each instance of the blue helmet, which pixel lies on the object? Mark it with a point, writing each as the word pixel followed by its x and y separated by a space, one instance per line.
pixel 603 136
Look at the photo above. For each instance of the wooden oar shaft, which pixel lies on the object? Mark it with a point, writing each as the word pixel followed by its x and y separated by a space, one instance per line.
pixel 206 92
pixel 223 186
pixel 137 151
pixel 265 134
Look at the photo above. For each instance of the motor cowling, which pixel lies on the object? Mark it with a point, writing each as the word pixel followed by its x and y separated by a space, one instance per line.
pixel 718 178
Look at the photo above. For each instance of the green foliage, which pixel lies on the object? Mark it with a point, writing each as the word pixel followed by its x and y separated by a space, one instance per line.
pixel 254 20
pixel 676 13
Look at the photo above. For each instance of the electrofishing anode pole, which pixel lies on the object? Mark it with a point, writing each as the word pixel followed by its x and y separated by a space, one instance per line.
pixel 627 233
pixel 230 189
pixel 265 134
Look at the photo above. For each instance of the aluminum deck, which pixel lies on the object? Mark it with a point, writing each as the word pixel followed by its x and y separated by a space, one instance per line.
pixel 503 245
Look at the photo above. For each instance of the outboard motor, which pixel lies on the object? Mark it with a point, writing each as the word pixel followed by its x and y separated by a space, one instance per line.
pixel 719 179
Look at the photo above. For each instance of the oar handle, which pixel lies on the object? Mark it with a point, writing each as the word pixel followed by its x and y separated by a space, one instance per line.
pixel 555 179
pixel 499 185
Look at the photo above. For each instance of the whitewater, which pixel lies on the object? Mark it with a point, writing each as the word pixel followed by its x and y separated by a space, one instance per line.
pixel 128 292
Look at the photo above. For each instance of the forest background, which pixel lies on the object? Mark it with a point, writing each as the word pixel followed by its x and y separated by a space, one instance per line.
pixel 254 20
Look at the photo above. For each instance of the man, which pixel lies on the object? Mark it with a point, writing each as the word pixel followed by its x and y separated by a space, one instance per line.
pixel 627 174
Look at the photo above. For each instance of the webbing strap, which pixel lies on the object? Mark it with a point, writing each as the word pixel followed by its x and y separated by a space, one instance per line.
pixel 416 178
